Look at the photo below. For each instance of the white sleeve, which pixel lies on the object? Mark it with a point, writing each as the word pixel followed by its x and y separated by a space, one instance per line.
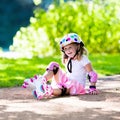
pixel 85 60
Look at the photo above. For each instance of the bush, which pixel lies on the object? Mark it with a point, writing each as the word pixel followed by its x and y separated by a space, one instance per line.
pixel 98 24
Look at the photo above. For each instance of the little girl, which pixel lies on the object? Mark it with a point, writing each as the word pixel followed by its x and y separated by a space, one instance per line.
pixel 78 67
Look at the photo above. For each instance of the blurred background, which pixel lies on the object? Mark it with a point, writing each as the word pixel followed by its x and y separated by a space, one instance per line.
pixel 35 27
pixel 30 32
pixel 13 15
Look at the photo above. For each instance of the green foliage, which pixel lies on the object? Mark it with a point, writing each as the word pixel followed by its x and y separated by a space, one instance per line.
pixel 14 71
pixel 31 40
pixel 97 22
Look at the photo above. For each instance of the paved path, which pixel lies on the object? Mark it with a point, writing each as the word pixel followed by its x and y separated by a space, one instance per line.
pixel 18 104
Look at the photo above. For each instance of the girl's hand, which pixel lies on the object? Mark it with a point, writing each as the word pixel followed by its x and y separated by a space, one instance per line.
pixel 92 90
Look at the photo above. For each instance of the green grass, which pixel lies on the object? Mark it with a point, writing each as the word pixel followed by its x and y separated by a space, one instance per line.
pixel 106 64
pixel 14 71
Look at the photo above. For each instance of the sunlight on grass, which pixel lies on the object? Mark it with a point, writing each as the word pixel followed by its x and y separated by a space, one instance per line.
pixel 106 64
pixel 3 67
pixel 14 71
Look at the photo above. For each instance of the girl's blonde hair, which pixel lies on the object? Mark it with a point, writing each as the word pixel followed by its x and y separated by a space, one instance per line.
pixel 82 51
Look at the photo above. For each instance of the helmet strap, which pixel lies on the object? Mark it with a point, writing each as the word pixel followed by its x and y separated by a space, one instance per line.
pixel 69 65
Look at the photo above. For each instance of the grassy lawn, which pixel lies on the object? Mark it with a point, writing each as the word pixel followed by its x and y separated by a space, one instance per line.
pixel 14 71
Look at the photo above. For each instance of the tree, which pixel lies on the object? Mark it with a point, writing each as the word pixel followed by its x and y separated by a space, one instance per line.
pixel 97 23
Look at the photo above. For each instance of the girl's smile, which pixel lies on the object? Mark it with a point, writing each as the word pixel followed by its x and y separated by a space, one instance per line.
pixel 70 50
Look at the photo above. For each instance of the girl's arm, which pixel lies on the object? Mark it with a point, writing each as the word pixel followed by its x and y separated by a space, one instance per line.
pixel 92 75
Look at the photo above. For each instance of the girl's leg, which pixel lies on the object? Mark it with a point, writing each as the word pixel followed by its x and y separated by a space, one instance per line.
pixel 60 92
pixel 53 71
pixel 56 92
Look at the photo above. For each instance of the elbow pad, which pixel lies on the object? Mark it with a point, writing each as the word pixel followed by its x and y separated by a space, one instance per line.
pixel 92 76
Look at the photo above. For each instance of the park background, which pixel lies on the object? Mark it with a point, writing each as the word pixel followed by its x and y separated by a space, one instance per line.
pixel 31 31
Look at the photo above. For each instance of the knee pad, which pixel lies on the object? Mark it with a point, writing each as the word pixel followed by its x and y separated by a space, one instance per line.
pixel 92 76
pixel 53 66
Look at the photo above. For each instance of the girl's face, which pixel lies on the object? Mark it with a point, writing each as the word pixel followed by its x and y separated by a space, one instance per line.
pixel 70 50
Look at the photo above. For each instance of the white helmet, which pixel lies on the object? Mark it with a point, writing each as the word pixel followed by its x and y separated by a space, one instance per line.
pixel 70 38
